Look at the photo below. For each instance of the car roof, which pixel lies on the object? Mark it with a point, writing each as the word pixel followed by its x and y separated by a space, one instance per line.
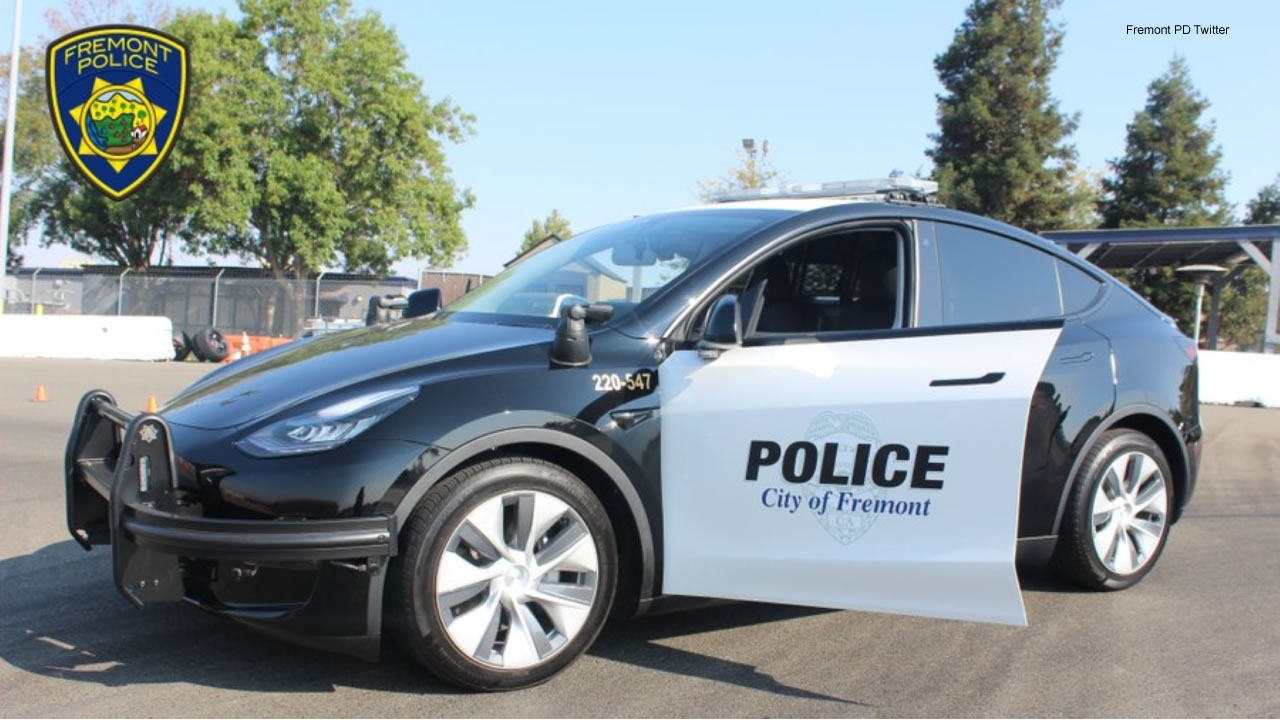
pixel 852 208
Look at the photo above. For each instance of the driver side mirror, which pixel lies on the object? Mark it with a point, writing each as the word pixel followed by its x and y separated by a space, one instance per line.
pixel 423 302
pixel 724 328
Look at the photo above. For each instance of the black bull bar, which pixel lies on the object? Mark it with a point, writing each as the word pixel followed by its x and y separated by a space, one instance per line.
pixel 123 490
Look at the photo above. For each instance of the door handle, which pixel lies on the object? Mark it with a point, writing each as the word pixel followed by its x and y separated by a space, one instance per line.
pixel 1083 357
pixel 988 379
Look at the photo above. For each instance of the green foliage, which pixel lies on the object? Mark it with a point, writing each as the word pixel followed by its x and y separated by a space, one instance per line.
pixel 333 154
pixel 1244 307
pixel 306 144
pixel 1001 148
pixel 35 149
pixel 1169 175
pixel 1169 172
pixel 555 224
pixel 1265 208
pixel 135 232
pixel 50 193
pixel 1086 191
pixel 753 171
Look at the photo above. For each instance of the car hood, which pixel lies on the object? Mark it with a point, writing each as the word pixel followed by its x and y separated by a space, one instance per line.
pixel 264 384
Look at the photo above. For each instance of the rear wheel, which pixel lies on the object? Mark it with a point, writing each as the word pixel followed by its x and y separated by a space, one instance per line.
pixel 507 575
pixel 1117 518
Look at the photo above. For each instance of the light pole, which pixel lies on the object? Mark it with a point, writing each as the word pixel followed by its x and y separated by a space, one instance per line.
pixel 6 167
pixel 1201 275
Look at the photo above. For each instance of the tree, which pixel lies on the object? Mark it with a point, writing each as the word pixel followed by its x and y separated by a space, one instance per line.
pixel 1243 303
pixel 1169 172
pixel 49 191
pixel 310 144
pixel 1001 148
pixel 1265 208
pixel 1086 191
pixel 753 171
pixel 35 149
pixel 306 144
pixel 555 224
pixel 1169 176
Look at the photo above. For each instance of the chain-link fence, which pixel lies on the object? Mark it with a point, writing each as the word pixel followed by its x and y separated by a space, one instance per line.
pixel 233 300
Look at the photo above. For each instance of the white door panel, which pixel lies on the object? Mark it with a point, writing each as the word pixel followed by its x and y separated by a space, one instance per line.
pixel 931 528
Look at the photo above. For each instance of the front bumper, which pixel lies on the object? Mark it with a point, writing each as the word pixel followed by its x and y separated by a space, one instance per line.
pixel 309 579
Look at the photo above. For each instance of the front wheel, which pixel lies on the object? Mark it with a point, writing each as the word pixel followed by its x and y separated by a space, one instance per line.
pixel 1117 518
pixel 507 574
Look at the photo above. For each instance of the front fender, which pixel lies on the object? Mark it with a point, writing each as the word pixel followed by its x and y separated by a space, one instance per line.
pixel 526 428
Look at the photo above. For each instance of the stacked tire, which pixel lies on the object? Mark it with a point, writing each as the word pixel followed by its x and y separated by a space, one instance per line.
pixel 207 345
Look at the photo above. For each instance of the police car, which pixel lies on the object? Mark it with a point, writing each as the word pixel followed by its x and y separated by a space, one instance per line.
pixel 838 395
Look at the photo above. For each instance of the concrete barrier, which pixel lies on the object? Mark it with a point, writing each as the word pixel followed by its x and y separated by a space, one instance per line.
pixel 1238 377
pixel 94 337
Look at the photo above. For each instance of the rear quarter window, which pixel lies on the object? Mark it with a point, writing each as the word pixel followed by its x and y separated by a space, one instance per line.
pixel 1079 288
pixel 987 278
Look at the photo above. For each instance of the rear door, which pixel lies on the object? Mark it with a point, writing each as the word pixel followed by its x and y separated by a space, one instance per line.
pixel 867 467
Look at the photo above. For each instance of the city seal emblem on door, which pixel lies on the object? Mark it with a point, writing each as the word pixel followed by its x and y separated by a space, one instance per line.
pixel 117 94
pixel 847 429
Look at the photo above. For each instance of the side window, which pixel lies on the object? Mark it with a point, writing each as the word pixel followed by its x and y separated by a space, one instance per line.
pixel 1078 287
pixel 991 279
pixel 839 282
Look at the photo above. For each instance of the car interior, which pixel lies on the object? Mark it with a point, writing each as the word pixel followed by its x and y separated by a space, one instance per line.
pixel 838 282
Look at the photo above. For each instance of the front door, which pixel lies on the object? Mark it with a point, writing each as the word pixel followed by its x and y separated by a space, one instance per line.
pixel 872 474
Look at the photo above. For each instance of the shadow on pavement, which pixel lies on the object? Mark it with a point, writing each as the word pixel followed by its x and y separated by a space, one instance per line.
pixel 64 619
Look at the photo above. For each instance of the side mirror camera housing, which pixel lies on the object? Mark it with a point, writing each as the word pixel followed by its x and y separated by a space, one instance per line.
pixel 724 328
pixel 572 346
pixel 423 302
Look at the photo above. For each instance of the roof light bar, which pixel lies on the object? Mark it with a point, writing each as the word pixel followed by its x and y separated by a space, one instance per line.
pixel 845 188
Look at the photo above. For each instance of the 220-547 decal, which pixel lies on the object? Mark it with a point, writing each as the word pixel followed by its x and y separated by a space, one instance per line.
pixel 609 382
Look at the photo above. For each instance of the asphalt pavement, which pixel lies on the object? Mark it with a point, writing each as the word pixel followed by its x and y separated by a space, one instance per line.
pixel 1199 637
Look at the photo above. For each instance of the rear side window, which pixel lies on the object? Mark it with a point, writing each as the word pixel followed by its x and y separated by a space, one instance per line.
pixel 991 279
pixel 1079 288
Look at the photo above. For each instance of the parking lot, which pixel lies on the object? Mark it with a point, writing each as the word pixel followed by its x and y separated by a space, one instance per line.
pixel 1200 636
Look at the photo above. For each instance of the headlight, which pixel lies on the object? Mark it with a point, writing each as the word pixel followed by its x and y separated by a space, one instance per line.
pixel 328 427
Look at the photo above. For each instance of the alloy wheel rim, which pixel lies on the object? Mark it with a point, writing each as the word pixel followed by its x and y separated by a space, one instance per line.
pixel 517 579
pixel 1129 513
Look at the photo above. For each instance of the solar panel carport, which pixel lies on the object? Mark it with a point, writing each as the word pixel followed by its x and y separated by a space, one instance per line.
pixel 1232 247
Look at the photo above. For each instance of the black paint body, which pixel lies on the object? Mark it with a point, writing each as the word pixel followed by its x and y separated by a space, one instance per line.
pixel 489 387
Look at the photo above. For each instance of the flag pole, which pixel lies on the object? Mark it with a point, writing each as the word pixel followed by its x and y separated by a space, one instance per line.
pixel 6 168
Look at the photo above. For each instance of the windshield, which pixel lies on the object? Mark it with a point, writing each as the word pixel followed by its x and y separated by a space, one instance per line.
pixel 620 265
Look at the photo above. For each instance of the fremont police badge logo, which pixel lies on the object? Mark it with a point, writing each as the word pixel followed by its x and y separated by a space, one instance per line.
pixel 848 430
pixel 117 95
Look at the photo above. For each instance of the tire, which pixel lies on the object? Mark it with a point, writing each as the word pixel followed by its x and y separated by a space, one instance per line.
pixel 209 345
pixel 1117 518
pixel 181 346
pixel 482 645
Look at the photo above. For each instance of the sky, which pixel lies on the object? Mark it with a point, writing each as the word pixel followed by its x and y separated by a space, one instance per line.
pixel 609 110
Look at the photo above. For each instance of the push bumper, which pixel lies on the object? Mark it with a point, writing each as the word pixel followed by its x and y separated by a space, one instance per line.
pixel 124 489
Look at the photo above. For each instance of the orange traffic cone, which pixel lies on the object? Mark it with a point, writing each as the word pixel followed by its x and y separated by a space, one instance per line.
pixel 40 394
pixel 245 350
pixel 151 403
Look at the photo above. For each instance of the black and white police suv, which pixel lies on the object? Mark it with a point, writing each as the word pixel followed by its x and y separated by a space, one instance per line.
pixel 840 396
